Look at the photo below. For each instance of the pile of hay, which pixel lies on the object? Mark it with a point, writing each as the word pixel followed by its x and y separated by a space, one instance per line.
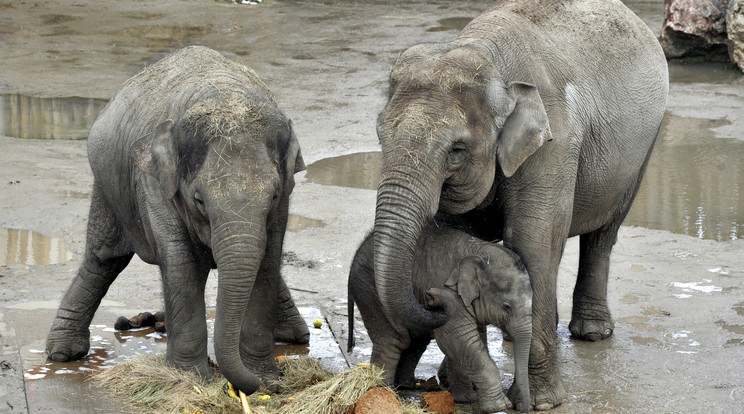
pixel 304 387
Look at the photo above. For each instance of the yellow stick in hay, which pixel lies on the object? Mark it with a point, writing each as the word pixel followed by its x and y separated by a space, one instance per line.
pixel 244 403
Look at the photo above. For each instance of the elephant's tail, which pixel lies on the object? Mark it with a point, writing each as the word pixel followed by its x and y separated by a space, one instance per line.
pixel 350 341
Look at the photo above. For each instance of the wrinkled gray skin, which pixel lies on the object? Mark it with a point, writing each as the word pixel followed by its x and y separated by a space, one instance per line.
pixel 478 284
pixel 193 167
pixel 535 124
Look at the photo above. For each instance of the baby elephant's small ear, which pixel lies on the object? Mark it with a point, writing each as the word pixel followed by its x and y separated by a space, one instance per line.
pixel 464 279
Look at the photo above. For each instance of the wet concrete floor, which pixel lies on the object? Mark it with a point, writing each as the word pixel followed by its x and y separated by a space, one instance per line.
pixel 676 277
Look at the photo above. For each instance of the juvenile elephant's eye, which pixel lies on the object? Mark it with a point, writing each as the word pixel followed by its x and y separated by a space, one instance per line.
pixel 200 203
pixel 506 307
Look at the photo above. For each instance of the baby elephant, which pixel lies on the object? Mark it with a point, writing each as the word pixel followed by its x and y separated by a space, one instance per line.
pixel 477 283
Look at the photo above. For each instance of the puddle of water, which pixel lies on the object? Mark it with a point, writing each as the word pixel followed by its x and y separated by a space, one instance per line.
pixel 645 341
pixel 23 116
pixel 451 23
pixel 629 299
pixel 733 328
pixel 638 322
pixel 739 308
pixel 694 182
pixel 296 222
pixel 697 286
pixel 703 72
pixel 359 170
pixel 31 248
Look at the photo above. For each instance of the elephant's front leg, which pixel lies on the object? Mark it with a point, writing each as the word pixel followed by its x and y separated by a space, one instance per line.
pixel 539 240
pixel 467 356
pixel 106 255
pixel 461 386
pixel 183 286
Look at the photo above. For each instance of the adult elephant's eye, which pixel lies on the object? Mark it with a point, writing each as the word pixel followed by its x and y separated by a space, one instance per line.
pixel 459 153
pixel 200 203
pixel 506 307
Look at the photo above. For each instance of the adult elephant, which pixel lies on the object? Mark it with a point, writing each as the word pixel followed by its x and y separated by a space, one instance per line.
pixel 193 166
pixel 534 125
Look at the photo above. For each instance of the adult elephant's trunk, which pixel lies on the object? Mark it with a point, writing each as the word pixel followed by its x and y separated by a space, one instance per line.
pixel 407 198
pixel 238 248
pixel 521 332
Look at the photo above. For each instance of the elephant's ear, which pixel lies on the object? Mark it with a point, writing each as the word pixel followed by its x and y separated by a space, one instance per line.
pixel 464 279
pixel 155 154
pixel 295 163
pixel 526 127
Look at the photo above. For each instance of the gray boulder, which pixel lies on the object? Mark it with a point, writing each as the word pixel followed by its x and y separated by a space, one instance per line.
pixel 735 32
pixel 695 28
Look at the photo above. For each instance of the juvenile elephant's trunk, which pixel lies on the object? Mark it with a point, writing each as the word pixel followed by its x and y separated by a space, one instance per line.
pixel 407 198
pixel 521 332
pixel 238 249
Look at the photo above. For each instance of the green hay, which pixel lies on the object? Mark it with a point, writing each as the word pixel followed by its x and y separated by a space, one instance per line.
pixel 304 387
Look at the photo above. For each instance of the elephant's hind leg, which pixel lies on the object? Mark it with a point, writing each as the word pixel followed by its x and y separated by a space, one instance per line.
pixel 405 374
pixel 591 319
pixel 106 256
pixel 290 325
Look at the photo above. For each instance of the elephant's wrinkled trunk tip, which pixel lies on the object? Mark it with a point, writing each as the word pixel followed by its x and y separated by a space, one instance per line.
pixel 522 339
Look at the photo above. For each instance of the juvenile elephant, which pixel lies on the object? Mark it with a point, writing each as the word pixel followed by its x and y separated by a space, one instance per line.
pixel 492 288
pixel 535 124
pixel 193 166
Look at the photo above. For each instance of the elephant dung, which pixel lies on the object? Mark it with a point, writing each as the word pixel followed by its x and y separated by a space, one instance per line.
pixel 160 327
pixel 378 400
pixel 122 324
pixel 440 402
pixel 430 385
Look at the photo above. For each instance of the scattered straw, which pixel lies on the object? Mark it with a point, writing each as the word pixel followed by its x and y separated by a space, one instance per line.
pixel 305 386
pixel 149 382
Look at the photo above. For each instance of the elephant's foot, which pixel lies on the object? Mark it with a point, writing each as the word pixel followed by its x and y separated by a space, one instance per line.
pixel 408 383
pixel 291 327
pixel 66 344
pixel 591 321
pixel 200 366
pixel 494 405
pixel 463 392
pixel 268 373
pixel 548 395
pixel 262 364
pixel 292 332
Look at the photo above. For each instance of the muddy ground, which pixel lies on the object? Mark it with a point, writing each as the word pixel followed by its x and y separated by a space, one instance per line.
pixel 678 301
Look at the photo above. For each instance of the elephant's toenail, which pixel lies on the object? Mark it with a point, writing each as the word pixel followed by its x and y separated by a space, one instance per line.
pixel 593 336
